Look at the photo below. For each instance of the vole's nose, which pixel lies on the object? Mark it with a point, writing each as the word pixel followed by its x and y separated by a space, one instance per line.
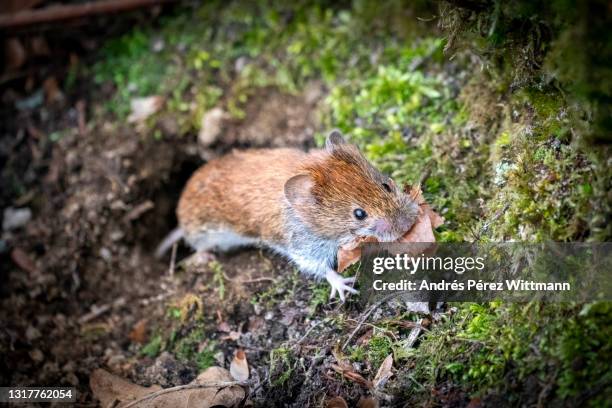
pixel 382 226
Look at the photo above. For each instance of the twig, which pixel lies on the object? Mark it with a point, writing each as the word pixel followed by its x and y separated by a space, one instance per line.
pixel 366 315
pixel 213 384
pixel 81 120
pixel 261 279
pixel 156 298
pixel 172 260
pixel 373 326
pixel 137 211
pixel 412 337
pixel 98 311
pixel 70 11
pixel 308 332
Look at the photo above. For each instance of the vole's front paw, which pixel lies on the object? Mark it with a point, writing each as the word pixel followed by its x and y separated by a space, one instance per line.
pixel 339 284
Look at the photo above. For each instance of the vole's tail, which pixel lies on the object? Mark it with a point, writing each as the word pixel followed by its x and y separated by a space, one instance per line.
pixel 173 237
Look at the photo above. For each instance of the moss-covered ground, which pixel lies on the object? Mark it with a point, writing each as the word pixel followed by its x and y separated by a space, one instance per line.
pixel 502 150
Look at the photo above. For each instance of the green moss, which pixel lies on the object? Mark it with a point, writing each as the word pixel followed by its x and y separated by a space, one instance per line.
pixel 282 364
pixel 282 290
pixel 320 296
pixel 218 278
pixel 153 347
pixel 174 312
pixel 484 344
pixel 542 194
pixel 196 347
pixel 357 353
pixel 206 357
pixel 379 347
pixel 582 347
pixel 195 67
pixel 530 43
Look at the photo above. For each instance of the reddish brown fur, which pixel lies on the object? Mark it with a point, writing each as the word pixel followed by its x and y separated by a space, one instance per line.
pixel 343 181
pixel 245 191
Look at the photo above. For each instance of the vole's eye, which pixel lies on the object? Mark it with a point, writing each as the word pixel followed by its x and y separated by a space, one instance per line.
pixel 387 187
pixel 360 214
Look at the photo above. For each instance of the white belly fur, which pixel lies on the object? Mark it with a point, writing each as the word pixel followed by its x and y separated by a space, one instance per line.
pixel 222 240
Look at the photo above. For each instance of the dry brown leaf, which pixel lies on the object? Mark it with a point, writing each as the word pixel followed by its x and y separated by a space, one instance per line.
pixel 367 402
pixel 351 375
pixel 23 260
pixel 435 218
pixel 384 372
pixel 14 54
pixel 341 359
pixel 224 327
pixel 52 90
pixel 336 402
pixel 421 231
pixel 114 391
pixel 207 397
pixel 365 337
pixel 232 336
pixel 142 108
pixel 239 367
pixel 109 388
pixel 348 255
pixel 139 332
pixel 357 378
pixel 39 46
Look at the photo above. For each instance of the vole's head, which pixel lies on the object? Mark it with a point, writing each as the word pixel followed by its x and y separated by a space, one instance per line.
pixel 341 196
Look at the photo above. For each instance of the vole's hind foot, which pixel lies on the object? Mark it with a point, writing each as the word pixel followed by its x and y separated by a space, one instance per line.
pixel 340 285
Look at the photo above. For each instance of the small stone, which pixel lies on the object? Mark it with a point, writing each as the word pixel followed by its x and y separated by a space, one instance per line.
pixel 105 254
pixel 240 63
pixel 116 236
pixel 72 379
pixel 49 369
pixel 211 127
pixel 32 333
pixel 15 218
pixel 220 358
pixel 257 308
pixel 419 307
pixel 143 108
pixel 37 356
pixel 116 361
pixel 158 45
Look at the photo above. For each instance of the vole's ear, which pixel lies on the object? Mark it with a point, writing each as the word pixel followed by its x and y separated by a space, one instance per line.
pixel 334 139
pixel 298 190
